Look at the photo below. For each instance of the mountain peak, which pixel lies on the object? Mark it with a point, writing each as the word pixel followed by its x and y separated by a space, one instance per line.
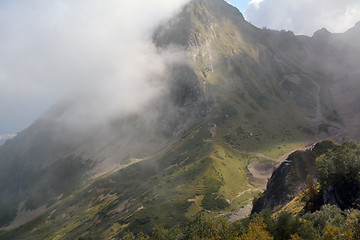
pixel 196 15
pixel 322 34
pixel 222 7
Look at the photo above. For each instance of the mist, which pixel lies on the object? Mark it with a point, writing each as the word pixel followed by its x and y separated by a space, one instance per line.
pixel 98 55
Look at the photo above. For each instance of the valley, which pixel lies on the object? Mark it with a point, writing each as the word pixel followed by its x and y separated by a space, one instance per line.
pixel 239 106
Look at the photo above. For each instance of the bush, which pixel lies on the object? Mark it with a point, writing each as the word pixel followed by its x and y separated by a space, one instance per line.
pixel 213 202
pixel 340 170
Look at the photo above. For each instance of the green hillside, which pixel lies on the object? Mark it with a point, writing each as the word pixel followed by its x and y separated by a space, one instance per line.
pixel 245 98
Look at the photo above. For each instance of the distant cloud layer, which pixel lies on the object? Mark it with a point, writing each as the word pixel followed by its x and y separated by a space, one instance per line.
pixel 6 136
pixel 99 49
pixel 304 16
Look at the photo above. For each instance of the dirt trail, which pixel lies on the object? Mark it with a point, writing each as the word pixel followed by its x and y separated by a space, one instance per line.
pixel 243 212
pixel 242 193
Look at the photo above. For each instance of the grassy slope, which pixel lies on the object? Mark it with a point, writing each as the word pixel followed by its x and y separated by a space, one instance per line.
pixel 235 65
pixel 168 189
pixel 47 160
pixel 236 62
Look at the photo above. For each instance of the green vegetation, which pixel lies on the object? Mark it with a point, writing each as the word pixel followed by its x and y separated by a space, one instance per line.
pixel 328 207
pixel 238 103
pixel 339 174
pixel 195 175
pixel 199 189
pixel 328 223
pixel 58 181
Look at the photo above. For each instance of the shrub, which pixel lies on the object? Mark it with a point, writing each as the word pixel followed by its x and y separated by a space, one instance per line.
pixel 340 170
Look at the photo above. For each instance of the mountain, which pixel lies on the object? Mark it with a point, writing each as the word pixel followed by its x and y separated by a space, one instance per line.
pixel 242 101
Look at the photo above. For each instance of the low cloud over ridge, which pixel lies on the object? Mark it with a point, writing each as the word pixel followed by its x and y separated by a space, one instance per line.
pixel 98 50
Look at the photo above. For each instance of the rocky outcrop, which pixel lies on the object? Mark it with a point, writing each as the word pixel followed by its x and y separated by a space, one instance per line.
pixel 289 179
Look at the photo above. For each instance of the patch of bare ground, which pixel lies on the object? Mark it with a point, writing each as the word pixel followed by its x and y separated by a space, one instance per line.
pixel 242 213
pixel 260 172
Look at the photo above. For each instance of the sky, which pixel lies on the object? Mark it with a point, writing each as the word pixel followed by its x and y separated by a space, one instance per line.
pixel 240 4
pixel 53 49
pixel 303 16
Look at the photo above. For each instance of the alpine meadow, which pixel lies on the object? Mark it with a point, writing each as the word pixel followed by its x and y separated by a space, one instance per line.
pixel 189 124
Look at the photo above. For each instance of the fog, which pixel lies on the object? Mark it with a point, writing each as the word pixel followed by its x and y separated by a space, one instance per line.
pixel 99 54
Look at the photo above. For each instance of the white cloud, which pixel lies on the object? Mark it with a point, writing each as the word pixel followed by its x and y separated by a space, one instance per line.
pixel 98 49
pixel 255 3
pixel 304 16
pixel 7 136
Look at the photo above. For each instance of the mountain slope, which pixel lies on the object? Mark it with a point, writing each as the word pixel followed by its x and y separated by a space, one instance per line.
pixel 246 95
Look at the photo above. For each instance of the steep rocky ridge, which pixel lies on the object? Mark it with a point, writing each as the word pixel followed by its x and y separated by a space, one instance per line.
pixel 242 91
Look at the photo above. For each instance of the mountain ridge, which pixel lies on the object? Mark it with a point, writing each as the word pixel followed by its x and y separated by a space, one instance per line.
pixel 243 90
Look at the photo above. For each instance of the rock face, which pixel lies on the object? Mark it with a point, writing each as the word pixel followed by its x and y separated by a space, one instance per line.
pixel 335 166
pixel 330 196
pixel 289 179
